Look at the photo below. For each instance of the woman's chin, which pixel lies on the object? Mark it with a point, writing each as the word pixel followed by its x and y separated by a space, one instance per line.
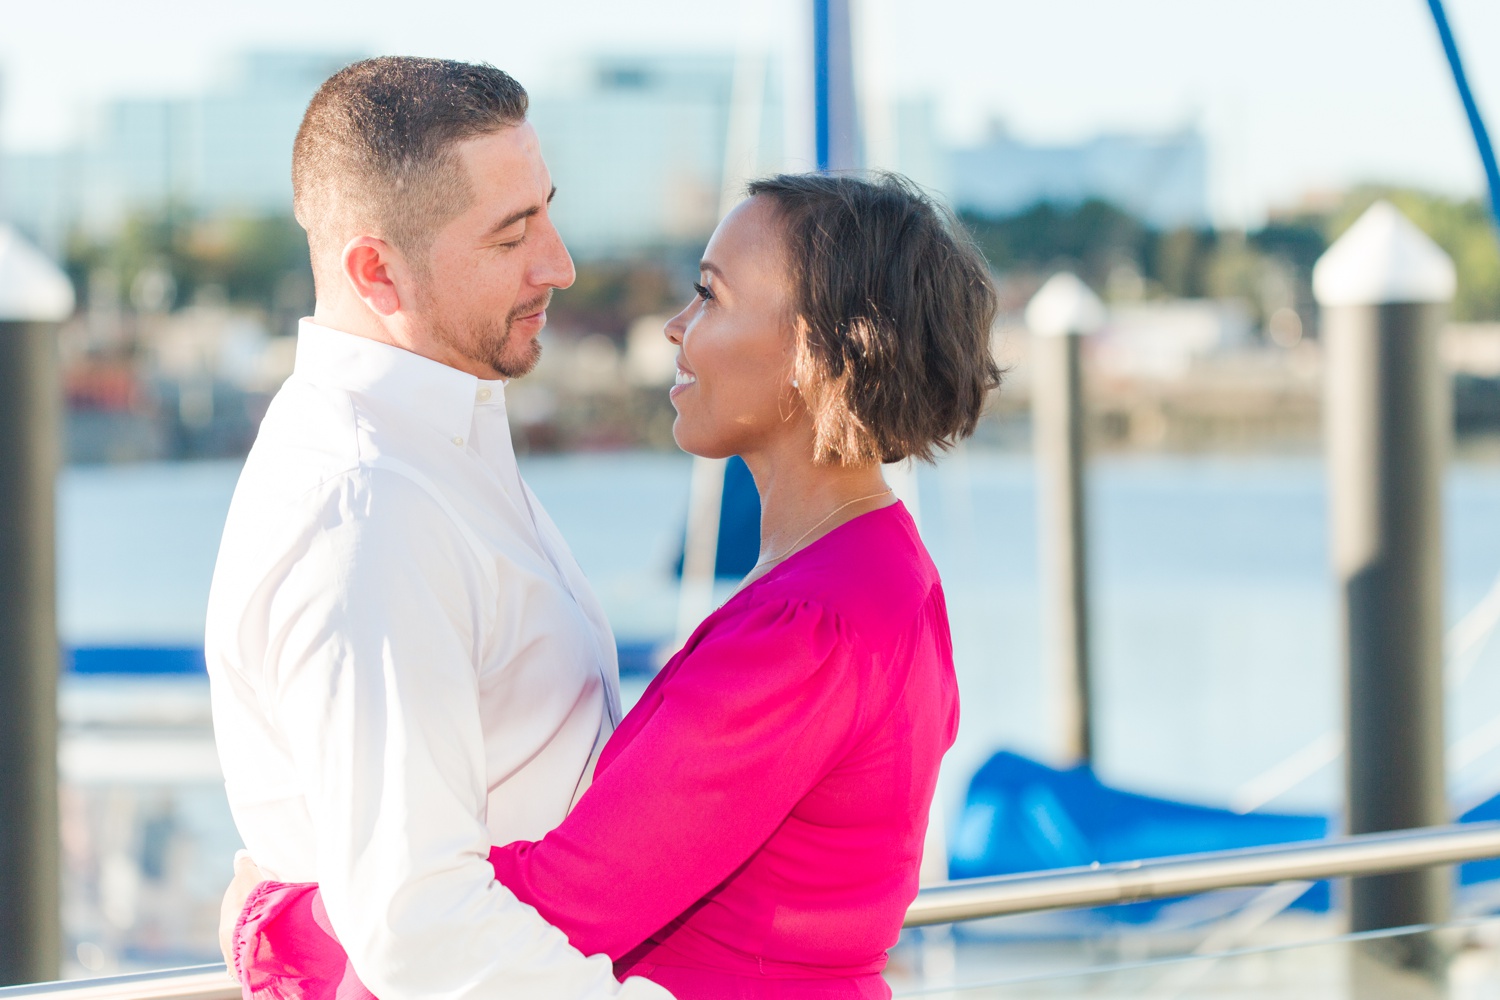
pixel 696 444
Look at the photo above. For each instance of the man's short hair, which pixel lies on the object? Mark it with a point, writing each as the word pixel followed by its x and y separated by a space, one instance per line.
pixel 375 152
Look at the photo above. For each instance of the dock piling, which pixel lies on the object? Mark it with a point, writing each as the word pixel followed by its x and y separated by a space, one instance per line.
pixel 34 296
pixel 1384 288
pixel 1062 312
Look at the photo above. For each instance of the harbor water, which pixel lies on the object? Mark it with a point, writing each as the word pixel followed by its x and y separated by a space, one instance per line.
pixel 1215 644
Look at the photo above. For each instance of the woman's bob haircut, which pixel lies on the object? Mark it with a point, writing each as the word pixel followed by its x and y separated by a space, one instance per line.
pixel 893 306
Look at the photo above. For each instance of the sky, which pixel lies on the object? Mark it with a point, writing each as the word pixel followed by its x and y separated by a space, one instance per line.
pixel 1295 96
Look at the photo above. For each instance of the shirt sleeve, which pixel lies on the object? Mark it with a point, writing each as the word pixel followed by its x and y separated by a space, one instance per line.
pixel 374 635
pixel 754 716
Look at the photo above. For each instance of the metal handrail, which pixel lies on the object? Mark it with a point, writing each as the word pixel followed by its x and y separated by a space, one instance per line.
pixel 1162 878
pixel 199 982
pixel 970 899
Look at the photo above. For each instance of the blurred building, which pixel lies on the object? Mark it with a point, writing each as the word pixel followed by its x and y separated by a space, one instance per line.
pixel 1162 180
pixel 38 195
pixel 638 145
pixel 1164 339
pixel 902 135
pixel 228 150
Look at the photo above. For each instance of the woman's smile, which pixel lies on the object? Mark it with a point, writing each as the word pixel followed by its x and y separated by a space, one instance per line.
pixel 685 379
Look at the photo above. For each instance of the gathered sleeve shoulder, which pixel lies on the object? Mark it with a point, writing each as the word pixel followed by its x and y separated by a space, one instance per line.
pixel 758 707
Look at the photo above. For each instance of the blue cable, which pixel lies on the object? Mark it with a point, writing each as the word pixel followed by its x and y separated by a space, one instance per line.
pixel 1476 122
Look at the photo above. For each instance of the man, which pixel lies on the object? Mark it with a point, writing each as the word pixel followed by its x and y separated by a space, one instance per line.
pixel 407 664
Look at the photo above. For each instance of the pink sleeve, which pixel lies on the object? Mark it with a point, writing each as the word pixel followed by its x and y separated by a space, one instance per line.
pixel 753 718
pixel 750 722
pixel 284 947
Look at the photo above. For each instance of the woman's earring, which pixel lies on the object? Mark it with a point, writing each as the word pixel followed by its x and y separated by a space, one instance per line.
pixel 794 383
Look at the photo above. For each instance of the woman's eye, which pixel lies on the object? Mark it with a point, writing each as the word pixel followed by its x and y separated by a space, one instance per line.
pixel 703 292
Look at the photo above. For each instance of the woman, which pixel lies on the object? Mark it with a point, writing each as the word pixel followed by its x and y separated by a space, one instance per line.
pixel 755 825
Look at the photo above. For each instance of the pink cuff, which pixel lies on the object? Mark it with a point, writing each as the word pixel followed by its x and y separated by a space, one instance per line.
pixel 285 948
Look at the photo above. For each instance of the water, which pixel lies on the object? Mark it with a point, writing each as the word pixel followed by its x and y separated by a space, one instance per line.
pixel 1215 644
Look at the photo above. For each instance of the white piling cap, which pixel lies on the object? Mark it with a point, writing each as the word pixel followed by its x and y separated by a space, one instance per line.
pixel 1383 258
pixel 32 288
pixel 1064 305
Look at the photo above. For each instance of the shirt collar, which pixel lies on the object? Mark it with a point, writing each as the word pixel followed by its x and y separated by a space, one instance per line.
pixel 439 395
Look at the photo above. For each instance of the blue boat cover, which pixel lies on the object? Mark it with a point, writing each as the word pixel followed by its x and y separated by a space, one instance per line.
pixel 1022 816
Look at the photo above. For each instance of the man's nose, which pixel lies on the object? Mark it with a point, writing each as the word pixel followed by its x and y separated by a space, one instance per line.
pixel 554 265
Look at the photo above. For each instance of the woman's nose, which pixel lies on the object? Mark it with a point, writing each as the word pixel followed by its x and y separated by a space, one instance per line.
pixel 677 325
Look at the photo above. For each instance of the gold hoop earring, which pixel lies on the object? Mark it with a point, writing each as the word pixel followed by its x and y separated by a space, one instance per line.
pixel 790 412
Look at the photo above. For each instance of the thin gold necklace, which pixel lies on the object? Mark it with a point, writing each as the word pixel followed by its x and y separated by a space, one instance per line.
pixel 793 547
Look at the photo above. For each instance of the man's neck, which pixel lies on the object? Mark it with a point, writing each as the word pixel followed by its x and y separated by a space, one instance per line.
pixel 359 320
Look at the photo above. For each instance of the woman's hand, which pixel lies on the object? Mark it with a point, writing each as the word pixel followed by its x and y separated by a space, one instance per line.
pixel 247 876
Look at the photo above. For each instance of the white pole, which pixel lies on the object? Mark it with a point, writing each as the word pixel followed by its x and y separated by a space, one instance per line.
pixel 700 550
pixel 747 101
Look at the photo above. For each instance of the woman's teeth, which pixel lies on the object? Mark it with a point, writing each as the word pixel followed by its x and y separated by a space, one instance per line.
pixel 685 378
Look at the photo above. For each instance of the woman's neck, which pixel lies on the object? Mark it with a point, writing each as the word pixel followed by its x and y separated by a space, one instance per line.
pixel 801 502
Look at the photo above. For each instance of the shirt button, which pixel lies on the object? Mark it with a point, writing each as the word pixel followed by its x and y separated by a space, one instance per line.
pixel 484 395
pixel 459 442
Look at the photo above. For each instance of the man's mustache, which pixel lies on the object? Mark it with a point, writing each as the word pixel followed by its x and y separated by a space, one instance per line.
pixel 530 307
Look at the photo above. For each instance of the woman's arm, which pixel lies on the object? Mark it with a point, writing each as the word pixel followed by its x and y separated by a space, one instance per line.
pixel 751 720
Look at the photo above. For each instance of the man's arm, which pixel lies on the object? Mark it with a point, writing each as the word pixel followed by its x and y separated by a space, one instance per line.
pixel 747 726
pixel 373 639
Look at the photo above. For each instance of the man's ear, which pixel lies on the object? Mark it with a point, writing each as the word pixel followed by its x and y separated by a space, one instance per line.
pixel 373 269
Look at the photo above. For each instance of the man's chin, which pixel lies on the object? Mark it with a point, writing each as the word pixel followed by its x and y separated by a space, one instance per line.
pixel 519 363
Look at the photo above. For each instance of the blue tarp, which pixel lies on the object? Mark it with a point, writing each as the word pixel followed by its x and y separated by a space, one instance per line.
pixel 1023 816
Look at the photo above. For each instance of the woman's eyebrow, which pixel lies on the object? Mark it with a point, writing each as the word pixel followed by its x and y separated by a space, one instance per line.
pixel 710 267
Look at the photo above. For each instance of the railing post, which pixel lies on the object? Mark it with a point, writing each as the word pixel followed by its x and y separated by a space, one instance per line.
pixel 1384 288
pixel 34 296
pixel 1059 316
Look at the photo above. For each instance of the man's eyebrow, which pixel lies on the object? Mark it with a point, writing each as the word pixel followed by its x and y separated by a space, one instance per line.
pixel 525 213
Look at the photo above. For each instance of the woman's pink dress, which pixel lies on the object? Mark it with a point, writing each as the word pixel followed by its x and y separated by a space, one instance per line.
pixel 755 825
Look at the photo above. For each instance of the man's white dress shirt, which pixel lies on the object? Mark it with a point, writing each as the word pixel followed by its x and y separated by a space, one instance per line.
pixel 407 666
